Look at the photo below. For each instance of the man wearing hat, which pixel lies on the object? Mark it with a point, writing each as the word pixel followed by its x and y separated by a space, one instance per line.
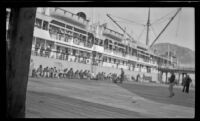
pixel 171 84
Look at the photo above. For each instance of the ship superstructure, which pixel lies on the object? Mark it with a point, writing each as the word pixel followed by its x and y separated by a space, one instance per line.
pixel 64 37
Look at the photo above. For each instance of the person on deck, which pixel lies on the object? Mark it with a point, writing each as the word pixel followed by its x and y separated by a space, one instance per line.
pixel 138 78
pixel 76 74
pixel 183 83
pixel 171 84
pixel 39 71
pixel 81 74
pixel 47 72
pixel 65 73
pixel 187 83
pixel 122 75
pixel 71 73
pixel 51 72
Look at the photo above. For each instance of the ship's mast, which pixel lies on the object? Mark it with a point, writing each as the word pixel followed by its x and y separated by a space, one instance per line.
pixel 148 24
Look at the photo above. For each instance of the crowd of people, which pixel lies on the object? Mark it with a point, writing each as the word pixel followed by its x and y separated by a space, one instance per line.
pixel 53 72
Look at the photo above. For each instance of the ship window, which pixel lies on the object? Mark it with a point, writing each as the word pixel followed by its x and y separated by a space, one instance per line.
pixel 101 43
pixel 110 47
pixel 58 23
pixel 69 27
pixel 105 59
pixel 79 30
pixel 45 25
pixel 96 41
pixel 54 29
pixel 109 60
pixel 38 23
pixel 112 60
pixel 74 52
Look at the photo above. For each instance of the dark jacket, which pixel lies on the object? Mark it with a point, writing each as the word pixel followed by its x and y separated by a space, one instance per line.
pixel 188 80
pixel 172 78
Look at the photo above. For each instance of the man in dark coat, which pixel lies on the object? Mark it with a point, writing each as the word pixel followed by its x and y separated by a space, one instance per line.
pixel 183 83
pixel 138 78
pixel 187 83
pixel 171 84
pixel 122 75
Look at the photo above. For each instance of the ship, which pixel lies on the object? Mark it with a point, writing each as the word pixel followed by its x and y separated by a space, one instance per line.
pixel 71 41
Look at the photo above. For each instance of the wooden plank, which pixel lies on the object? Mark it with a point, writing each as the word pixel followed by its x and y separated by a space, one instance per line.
pixel 19 51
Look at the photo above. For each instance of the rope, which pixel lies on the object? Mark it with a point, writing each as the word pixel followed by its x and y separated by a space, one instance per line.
pixel 153 30
pixel 178 25
pixel 131 21
pixel 141 33
pixel 162 17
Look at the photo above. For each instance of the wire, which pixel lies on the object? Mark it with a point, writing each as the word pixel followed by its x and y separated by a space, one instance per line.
pixel 131 21
pixel 141 33
pixel 153 30
pixel 162 17
pixel 178 25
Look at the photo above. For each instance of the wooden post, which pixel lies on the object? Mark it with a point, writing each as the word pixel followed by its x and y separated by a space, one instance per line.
pixel 161 75
pixel 166 76
pixel 182 77
pixel 179 77
pixel 18 59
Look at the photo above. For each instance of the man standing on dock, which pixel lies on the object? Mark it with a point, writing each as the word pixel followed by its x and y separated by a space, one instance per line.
pixel 188 80
pixel 122 75
pixel 183 83
pixel 171 84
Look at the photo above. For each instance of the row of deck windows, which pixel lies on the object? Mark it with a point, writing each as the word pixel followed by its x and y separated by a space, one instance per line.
pixel 83 40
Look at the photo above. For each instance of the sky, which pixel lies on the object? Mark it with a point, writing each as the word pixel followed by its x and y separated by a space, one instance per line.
pixel 181 30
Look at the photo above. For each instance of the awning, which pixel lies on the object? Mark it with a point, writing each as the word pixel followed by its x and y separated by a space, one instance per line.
pixel 145 63
pixel 144 54
pixel 43 34
pixel 115 57
pixel 73 47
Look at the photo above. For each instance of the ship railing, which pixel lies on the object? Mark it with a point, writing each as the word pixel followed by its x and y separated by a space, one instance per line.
pixel 108 31
pixel 70 40
pixel 70 15
pixel 107 51
pixel 114 53
pixel 60 55
pixel 131 57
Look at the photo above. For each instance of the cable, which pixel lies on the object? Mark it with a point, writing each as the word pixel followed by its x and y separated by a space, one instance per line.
pixel 153 30
pixel 178 25
pixel 130 23
pixel 162 17
pixel 141 33
pixel 129 20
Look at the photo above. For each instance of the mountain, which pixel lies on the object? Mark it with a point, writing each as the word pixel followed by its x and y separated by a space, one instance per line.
pixel 185 56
